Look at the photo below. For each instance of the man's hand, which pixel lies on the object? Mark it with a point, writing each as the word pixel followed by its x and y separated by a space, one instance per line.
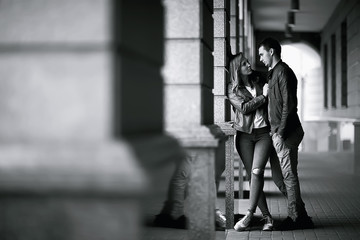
pixel 278 136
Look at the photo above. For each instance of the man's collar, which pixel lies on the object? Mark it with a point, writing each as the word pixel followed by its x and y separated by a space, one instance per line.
pixel 271 68
pixel 270 73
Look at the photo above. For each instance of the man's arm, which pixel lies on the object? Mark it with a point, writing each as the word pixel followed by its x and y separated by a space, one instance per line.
pixel 287 100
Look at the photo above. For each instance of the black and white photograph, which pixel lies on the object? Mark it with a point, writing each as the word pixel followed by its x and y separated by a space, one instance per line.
pixel 179 119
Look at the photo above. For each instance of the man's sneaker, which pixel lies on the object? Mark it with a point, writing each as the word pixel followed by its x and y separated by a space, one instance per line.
pixel 220 219
pixel 304 222
pixel 287 224
pixel 269 224
pixel 243 223
pixel 181 222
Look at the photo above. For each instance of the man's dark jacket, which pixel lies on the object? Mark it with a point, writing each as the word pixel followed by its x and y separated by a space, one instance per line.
pixel 282 105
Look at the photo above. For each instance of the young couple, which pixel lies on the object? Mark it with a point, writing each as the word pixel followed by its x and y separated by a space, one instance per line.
pixel 266 119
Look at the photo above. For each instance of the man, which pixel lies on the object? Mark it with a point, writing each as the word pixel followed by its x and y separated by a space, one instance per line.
pixel 286 129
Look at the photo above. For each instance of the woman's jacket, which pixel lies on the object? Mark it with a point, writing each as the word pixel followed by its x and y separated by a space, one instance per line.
pixel 245 105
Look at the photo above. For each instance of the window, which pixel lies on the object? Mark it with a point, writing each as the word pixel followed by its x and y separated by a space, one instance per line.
pixel 344 83
pixel 333 71
pixel 326 76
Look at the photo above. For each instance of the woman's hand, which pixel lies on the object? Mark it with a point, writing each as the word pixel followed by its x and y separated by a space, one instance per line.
pixel 265 89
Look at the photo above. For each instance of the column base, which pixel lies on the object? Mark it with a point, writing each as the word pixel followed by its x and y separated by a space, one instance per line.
pixel 203 144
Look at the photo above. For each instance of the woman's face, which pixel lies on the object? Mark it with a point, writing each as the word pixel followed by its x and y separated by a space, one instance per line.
pixel 245 67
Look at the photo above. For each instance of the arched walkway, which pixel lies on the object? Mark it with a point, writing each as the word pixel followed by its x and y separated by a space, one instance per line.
pixel 321 133
pixel 306 63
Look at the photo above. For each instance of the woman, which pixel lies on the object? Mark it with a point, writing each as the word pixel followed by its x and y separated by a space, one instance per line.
pixel 247 93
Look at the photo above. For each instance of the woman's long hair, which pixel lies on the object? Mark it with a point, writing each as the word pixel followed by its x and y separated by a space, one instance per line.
pixel 235 76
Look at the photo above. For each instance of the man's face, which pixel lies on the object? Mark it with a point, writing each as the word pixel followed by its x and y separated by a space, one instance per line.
pixel 265 56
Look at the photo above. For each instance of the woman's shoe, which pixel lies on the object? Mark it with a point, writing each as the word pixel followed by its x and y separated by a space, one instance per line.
pixel 269 224
pixel 243 223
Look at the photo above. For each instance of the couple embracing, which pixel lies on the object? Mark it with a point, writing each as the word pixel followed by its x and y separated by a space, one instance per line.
pixel 268 125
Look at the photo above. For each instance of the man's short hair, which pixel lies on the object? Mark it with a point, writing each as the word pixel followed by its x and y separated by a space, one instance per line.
pixel 269 42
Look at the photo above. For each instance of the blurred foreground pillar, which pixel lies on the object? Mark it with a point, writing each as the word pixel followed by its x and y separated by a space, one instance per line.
pixel 189 104
pixel 81 118
pixel 222 111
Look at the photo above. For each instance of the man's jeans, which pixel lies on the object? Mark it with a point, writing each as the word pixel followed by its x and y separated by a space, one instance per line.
pixel 287 152
pixel 276 172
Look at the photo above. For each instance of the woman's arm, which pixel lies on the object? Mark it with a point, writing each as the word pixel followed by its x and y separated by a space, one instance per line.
pixel 238 101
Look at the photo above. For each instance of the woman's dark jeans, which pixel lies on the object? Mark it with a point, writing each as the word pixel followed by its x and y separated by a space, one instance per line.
pixel 254 150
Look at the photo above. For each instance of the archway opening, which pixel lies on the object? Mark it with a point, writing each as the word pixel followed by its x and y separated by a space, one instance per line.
pixel 306 64
pixel 321 133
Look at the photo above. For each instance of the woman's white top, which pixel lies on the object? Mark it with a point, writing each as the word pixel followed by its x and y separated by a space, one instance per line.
pixel 259 121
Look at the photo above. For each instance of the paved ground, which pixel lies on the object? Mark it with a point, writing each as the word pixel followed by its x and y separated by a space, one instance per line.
pixel 331 194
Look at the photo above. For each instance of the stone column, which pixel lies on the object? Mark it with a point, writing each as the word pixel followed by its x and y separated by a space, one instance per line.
pixel 234 26
pixel 242 48
pixel 222 12
pixel 250 40
pixel 246 28
pixel 241 26
pixel 189 106
pixel 221 42
pixel 76 78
